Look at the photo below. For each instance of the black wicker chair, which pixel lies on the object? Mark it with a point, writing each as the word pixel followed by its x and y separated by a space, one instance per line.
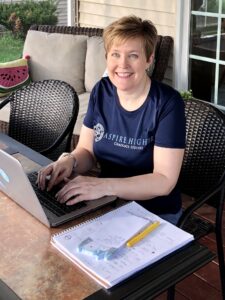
pixel 203 172
pixel 43 115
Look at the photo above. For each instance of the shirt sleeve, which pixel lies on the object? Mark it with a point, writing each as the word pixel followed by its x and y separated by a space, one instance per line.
pixel 170 131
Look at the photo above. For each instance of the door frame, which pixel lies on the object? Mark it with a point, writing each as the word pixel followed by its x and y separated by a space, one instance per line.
pixel 181 47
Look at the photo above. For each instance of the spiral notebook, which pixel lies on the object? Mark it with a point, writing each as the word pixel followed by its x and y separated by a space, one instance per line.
pixel 114 229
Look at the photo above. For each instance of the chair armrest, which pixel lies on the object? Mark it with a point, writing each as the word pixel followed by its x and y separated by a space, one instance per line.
pixel 219 187
pixel 4 102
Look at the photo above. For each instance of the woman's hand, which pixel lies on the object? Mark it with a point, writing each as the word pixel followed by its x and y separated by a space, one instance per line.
pixel 57 172
pixel 82 188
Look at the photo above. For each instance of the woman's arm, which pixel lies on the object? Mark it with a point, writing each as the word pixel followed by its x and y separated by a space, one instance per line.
pixel 83 153
pixel 82 156
pixel 167 165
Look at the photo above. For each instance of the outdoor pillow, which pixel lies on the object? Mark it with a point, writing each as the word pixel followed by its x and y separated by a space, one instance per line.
pixel 13 75
pixel 57 56
pixel 95 63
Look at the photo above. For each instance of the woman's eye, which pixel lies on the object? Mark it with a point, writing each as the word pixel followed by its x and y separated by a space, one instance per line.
pixel 133 55
pixel 115 54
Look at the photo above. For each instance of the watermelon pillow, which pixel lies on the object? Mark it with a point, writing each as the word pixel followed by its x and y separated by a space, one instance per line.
pixel 13 75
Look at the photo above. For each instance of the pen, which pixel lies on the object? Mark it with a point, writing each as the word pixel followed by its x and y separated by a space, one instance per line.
pixel 135 239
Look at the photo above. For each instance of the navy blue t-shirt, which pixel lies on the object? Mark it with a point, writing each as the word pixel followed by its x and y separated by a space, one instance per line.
pixel 124 140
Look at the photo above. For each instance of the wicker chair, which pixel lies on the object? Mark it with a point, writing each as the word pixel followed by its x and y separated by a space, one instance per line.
pixel 203 172
pixel 162 52
pixel 43 115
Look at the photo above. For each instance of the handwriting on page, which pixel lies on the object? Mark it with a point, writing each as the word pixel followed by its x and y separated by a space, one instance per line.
pixel 103 243
pixel 151 249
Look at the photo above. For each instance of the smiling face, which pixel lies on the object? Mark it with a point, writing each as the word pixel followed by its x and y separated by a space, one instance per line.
pixel 126 65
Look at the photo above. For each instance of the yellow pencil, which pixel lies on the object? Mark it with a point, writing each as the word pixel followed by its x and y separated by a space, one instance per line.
pixel 135 239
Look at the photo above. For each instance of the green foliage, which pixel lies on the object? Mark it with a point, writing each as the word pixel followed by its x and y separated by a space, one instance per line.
pixel 213 5
pixel 208 5
pixel 11 47
pixel 18 17
pixel 186 94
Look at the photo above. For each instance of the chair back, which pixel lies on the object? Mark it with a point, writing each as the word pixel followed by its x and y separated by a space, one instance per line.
pixel 204 157
pixel 162 52
pixel 43 115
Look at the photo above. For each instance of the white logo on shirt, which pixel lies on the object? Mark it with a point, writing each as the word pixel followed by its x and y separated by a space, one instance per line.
pixel 99 132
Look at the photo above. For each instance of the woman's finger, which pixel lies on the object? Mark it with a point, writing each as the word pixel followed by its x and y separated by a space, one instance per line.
pixel 42 176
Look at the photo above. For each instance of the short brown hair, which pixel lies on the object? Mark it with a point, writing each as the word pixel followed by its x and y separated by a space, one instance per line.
pixel 131 27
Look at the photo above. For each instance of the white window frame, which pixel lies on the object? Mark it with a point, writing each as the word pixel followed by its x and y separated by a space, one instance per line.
pixel 181 45
pixel 72 11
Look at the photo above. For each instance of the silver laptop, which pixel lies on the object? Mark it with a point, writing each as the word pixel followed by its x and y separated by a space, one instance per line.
pixel 14 182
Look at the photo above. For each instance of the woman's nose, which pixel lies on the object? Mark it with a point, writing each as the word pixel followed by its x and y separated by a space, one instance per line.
pixel 123 62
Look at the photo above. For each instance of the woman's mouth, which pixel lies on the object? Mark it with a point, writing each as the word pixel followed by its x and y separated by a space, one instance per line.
pixel 123 74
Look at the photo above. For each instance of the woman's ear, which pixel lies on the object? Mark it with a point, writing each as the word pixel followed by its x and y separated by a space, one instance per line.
pixel 151 59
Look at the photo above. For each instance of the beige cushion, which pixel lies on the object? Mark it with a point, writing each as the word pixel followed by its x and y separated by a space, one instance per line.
pixel 83 99
pixel 5 112
pixel 95 64
pixel 57 56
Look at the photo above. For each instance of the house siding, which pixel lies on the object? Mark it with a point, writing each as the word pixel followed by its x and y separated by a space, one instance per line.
pixel 100 13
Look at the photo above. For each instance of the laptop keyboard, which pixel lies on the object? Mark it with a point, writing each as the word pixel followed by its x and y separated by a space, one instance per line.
pixel 48 200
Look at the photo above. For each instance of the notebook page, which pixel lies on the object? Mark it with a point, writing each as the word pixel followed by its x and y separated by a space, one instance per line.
pixel 166 239
pixel 114 228
pixel 105 242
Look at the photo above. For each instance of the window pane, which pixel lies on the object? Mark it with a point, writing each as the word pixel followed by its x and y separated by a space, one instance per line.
pixel 202 76
pixel 203 36
pixel 223 7
pixel 221 90
pixel 205 5
pixel 222 47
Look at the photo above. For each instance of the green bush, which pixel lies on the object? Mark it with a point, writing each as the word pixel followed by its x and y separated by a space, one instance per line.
pixel 18 17
pixel 186 94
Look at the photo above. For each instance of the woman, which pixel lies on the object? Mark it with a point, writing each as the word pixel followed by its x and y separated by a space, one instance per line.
pixel 134 128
